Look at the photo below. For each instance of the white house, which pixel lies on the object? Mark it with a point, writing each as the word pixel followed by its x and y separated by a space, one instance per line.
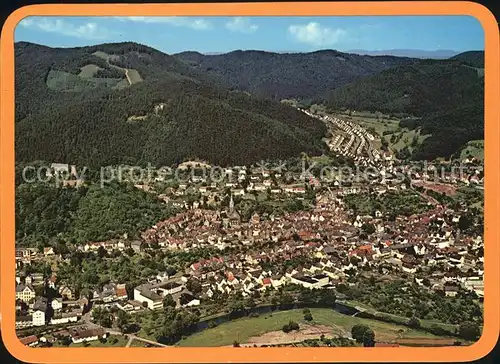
pixel 65 318
pixel 57 304
pixel 86 335
pixel 193 302
pixel 23 322
pixel 129 306
pixel 161 277
pixel 172 288
pixel 278 281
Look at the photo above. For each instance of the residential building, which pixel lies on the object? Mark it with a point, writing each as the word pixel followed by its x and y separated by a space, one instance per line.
pixel 29 340
pixel 57 304
pixel 85 334
pixel 25 293
pixel 38 318
pixel 23 322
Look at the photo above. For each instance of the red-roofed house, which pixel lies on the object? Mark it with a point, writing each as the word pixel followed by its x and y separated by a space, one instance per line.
pixel 266 282
pixel 29 340
pixel 121 292
pixel 48 251
pixel 196 266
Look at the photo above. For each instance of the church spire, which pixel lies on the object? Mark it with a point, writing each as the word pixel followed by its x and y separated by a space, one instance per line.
pixel 231 204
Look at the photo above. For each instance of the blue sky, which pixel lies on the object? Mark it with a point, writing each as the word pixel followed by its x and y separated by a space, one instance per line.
pixel 223 34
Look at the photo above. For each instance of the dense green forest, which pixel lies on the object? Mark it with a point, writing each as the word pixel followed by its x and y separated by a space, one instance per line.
pixel 303 76
pixel 47 215
pixel 447 96
pixel 450 131
pixel 390 204
pixel 472 58
pixel 424 88
pixel 397 298
pixel 198 119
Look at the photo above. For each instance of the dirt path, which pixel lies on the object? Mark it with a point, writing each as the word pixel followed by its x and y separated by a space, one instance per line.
pixel 128 77
pixel 306 332
pixel 148 341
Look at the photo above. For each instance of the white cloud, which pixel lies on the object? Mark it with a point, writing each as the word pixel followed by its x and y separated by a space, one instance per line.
pixel 243 25
pixel 87 30
pixel 369 26
pixel 316 35
pixel 178 21
pixel 26 22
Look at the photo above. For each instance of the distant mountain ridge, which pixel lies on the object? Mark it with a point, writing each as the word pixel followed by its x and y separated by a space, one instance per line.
pixel 412 53
pixel 289 75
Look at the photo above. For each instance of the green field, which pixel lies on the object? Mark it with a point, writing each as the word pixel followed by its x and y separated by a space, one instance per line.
pixel 377 122
pixel 378 125
pixel 245 328
pixel 405 138
pixel 88 71
pixel 107 57
pixel 134 76
pixel 64 81
pixel 474 148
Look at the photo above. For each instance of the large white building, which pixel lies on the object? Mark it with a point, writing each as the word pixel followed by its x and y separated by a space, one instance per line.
pixel 317 281
pixel 144 293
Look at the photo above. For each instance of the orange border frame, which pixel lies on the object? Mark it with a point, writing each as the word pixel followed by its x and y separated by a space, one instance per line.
pixel 261 355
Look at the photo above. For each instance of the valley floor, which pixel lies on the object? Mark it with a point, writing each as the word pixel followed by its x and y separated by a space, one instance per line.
pixel 266 329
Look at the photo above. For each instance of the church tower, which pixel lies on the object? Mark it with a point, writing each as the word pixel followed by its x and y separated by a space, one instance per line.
pixel 231 204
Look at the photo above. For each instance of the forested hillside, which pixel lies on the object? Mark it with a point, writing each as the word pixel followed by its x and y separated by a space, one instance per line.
pixel 449 131
pixel 472 58
pixel 421 89
pixel 302 76
pixel 47 214
pixel 168 113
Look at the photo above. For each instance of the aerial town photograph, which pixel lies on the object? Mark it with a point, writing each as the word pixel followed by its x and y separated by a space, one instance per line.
pixel 249 181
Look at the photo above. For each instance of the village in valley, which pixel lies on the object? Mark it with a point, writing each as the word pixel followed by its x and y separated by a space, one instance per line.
pixel 400 247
